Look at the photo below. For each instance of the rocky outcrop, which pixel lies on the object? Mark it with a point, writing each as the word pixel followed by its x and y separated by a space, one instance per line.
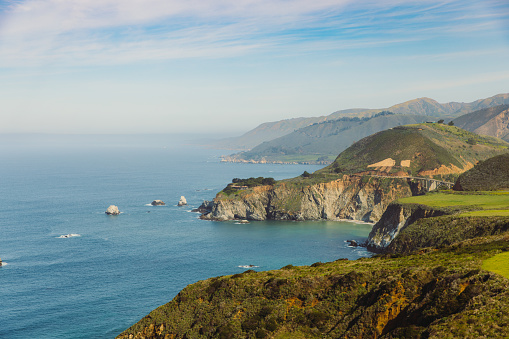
pixel 350 197
pixel 158 203
pixel 0 261
pixel 112 210
pixel 396 218
pixel 205 207
pixel 182 201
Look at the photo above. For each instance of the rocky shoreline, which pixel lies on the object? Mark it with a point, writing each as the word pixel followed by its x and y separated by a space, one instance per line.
pixel 350 198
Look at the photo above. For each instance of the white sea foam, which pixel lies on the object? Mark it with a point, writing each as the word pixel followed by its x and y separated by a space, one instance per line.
pixel 247 266
pixel 63 236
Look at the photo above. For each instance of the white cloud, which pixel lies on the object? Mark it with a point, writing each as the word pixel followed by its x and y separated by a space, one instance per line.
pixel 83 32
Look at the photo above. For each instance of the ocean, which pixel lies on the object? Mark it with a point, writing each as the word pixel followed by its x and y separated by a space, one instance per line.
pixel 114 270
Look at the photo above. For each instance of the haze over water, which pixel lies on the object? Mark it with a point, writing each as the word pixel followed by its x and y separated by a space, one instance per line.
pixel 117 269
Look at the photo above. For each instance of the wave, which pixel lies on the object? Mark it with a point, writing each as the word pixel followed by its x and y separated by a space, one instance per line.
pixel 247 266
pixel 63 236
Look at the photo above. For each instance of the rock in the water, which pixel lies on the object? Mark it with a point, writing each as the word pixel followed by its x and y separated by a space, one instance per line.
pixel 352 243
pixel 112 210
pixel 0 261
pixel 157 203
pixel 182 201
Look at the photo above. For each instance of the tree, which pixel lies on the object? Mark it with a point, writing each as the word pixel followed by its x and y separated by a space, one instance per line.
pixel 441 121
pixel 306 174
pixel 451 123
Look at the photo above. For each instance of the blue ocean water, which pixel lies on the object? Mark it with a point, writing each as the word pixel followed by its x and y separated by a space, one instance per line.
pixel 120 268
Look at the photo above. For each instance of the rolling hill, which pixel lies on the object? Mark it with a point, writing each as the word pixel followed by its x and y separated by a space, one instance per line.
pixel 422 106
pixel 492 174
pixel 418 150
pixel 322 142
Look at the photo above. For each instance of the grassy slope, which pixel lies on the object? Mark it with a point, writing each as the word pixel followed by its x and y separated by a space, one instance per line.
pixel 327 138
pixel 434 294
pixel 473 215
pixel 498 264
pixel 482 200
pixel 427 146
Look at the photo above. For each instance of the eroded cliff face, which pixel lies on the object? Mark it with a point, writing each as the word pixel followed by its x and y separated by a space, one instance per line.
pixel 350 197
pixel 396 218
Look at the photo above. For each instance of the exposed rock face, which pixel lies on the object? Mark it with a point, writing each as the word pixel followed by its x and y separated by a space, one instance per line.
pixel 205 207
pixel 395 218
pixel 182 201
pixel 157 203
pixel 350 197
pixel 112 210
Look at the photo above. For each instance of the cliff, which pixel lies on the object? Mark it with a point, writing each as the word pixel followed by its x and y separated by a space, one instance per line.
pixel 438 220
pixel 395 219
pixel 348 197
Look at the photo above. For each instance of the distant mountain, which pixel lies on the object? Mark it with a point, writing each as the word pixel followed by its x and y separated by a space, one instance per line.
pixel 321 142
pixel 492 121
pixel 422 106
pixel 272 130
pixel 418 150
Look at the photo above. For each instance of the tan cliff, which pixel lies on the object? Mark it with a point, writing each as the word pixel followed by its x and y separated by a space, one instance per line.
pixel 349 197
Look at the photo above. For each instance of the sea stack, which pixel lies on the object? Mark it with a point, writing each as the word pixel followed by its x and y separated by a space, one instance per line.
pixel 157 203
pixel 182 201
pixel 112 210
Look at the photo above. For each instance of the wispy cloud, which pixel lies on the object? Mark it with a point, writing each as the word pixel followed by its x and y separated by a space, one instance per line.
pixel 39 32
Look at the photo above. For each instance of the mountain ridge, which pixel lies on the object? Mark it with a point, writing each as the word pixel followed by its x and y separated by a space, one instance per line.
pixel 422 106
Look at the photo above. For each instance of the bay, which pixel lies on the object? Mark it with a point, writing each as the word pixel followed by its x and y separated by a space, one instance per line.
pixel 120 268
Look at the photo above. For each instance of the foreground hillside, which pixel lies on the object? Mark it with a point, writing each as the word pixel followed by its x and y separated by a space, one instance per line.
pixel 360 183
pixel 430 294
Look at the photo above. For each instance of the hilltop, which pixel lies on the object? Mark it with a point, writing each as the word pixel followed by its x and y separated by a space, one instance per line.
pixel 422 106
pixel 429 150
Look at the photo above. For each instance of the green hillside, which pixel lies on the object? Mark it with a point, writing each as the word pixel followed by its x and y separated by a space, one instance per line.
pixel 327 138
pixel 492 174
pixel 443 293
pixel 429 149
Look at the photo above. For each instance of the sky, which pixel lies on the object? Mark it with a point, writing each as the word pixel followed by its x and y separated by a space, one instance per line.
pixel 225 66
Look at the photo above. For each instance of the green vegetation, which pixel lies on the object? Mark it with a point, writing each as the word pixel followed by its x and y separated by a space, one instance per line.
pixel 428 147
pixel 443 293
pixel 498 264
pixel 327 138
pixel 492 174
pixel 482 200
pixel 486 213
pixel 247 183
